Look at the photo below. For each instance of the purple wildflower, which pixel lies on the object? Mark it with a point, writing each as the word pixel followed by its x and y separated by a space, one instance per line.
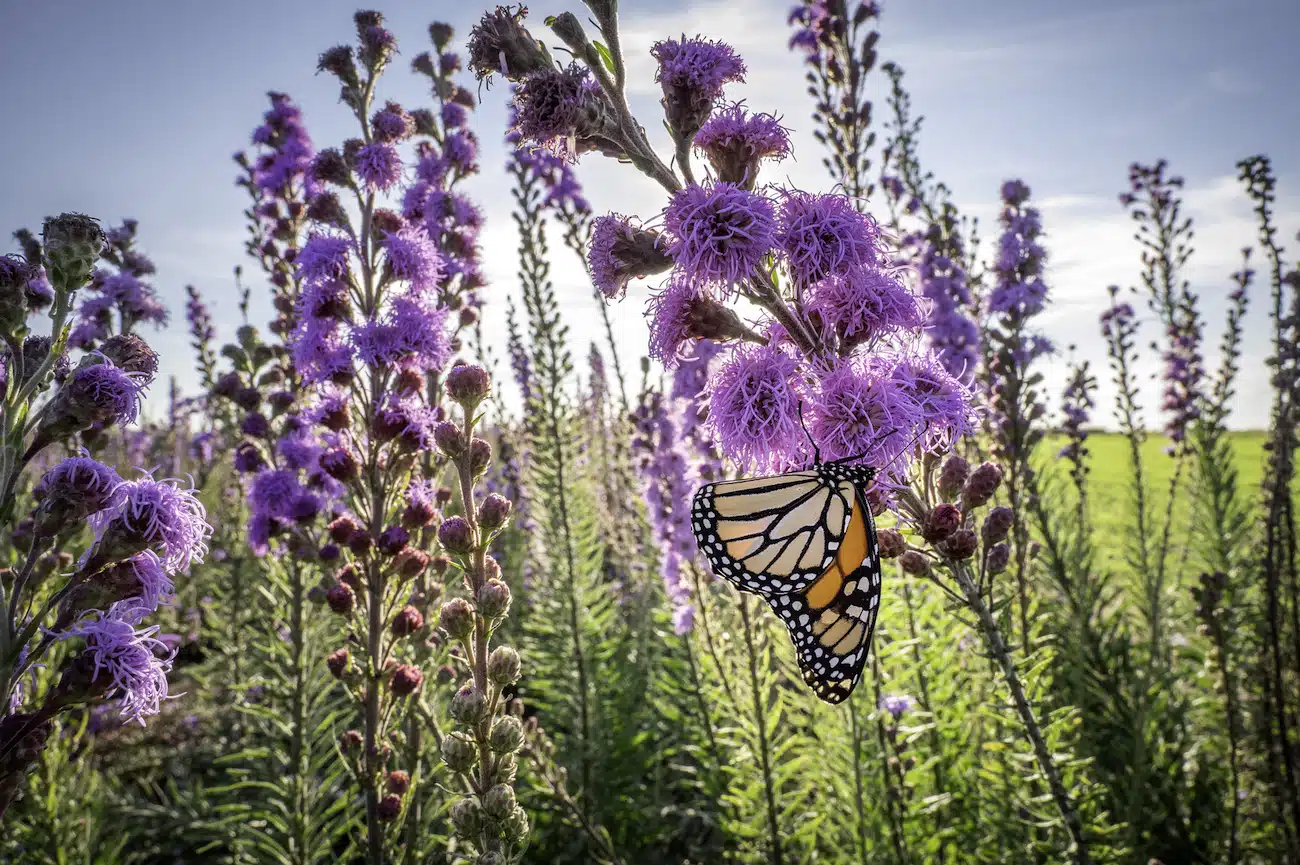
pixel 720 233
pixel 692 73
pixel 896 705
pixel 825 235
pixel 554 110
pixel 324 257
pixel 861 413
pixel 150 514
pixel 865 304
pixel 621 252
pixel 379 165
pixel 943 401
pixel 273 492
pixel 414 257
pixel 754 399
pixel 135 662
pixel 951 332
pixel 736 142
pixel 105 393
pixel 391 123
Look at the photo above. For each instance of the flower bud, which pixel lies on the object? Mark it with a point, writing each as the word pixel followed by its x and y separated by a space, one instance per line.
pixel 340 464
pixel 71 243
pixel 132 354
pixel 997 525
pixel 952 476
pixel 468 384
pixel 498 802
pixel 411 562
pixel 493 512
pixel 405 680
pixel 450 439
pixel 351 742
pixel 343 529
pixel 467 818
pixel 507 735
pixel 15 274
pixel 393 540
pixel 350 576
pixel 456 535
pixel 981 485
pixel 341 599
pixel 390 808
pixel 407 621
pixel 891 542
pixel 503 666
pixel 516 827
pixel 458 752
pixel 398 782
pixel 456 618
pixel 469 706
pixel 913 562
pixel 997 558
pixel 499 43
pixel 361 543
pixel 338 662
pixel 940 522
pixel 961 544
pixel 493 599
pixel 480 456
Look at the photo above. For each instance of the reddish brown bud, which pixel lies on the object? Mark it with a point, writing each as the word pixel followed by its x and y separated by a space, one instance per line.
pixel 997 525
pixel 913 562
pixel 981 485
pixel 341 599
pixel 338 662
pixel 407 622
pixel 952 476
pixel 405 680
pixel 942 521
pixel 892 544
pixel 962 544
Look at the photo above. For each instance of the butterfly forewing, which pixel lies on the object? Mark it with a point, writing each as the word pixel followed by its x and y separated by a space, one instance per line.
pixel 806 542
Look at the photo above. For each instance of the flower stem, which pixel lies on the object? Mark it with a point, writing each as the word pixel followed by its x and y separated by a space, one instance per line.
pixel 998 649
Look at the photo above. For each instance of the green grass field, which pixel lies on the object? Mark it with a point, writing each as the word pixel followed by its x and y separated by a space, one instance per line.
pixel 1110 496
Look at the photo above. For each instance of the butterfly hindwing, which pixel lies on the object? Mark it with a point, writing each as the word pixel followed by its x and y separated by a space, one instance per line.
pixel 772 535
pixel 832 622
pixel 806 542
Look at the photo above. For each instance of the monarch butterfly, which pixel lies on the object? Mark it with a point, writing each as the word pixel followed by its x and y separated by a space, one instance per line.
pixel 806 542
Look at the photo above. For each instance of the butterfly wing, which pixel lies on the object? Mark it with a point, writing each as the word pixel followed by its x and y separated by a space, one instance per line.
pixel 832 620
pixel 773 535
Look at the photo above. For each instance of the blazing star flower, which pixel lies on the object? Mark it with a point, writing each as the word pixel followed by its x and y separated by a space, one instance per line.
pixel 864 305
pixel 421 331
pixel 813 19
pixel 379 165
pixel 149 514
pixel 621 252
pixel 392 123
pixel 554 109
pixel 681 314
pixel 102 393
pixel 289 146
pixel 273 492
pixel 133 661
pixel 692 73
pixel 414 257
pixel 825 235
pixel 736 142
pixel 861 413
pixel 951 332
pixel 77 486
pixel 324 257
pixel 460 149
pixel 150 586
pixel 320 353
pixel 944 403
pixel 720 233
pixel 754 399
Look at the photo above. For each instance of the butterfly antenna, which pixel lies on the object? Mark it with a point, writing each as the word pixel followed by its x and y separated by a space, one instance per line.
pixel 916 438
pixel 877 440
pixel 817 454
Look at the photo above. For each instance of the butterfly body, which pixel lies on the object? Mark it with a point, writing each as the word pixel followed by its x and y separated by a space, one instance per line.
pixel 806 543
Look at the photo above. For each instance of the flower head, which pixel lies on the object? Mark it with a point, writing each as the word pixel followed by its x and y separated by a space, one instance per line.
pixel 825 235
pixel 273 492
pixel 692 73
pixel 101 393
pixel 414 257
pixel 754 399
pixel 559 109
pixel 861 413
pixel 681 314
pixel 896 704
pixel 323 257
pixel 865 304
pixel 379 165
pixel 500 43
pixel 133 662
pixel 76 488
pixel 944 402
pixel 736 142
pixel 149 514
pixel 621 252
pixel 720 233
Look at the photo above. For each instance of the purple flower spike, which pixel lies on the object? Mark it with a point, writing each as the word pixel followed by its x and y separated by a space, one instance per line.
pixel 323 257
pixel 944 402
pixel 754 407
pixel 720 234
pixel 134 662
pixel 414 258
pixel 825 235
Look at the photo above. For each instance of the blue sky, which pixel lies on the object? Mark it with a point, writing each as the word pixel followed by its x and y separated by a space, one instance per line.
pixel 134 109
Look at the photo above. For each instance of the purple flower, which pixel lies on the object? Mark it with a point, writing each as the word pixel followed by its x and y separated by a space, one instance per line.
pixel 825 235
pixel 621 252
pixel 944 402
pixel 392 123
pixel 79 484
pixel 754 399
pixel 414 257
pixel 104 393
pixel 681 314
pixel 324 257
pixel 865 304
pixel 155 587
pixel 379 165
pixel 720 234
pixel 320 353
pixel 421 331
pixel 460 149
pixel 861 413
pixel 736 142
pixel 289 148
pixel 554 108
pixel 150 514
pixel 814 29
pixel 134 661
pixel 273 492
pixel 951 332
pixel 896 704
pixel 697 64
